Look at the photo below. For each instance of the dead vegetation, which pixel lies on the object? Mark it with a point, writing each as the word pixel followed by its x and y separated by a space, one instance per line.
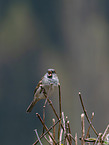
pixel 63 136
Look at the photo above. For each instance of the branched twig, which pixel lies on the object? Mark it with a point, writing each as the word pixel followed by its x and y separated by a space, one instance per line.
pixel 64 131
pixel 47 140
pixel 71 137
pixel 87 134
pixel 50 102
pixel 46 132
pixel 46 128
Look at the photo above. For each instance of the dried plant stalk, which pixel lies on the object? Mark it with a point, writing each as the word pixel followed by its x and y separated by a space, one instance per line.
pixel 85 112
pixel 76 139
pixel 82 129
pixel 38 136
pixel 46 128
pixel 105 132
pixel 87 134
pixel 50 102
pixel 60 110
pixel 46 132
pixel 69 131
pixel 53 130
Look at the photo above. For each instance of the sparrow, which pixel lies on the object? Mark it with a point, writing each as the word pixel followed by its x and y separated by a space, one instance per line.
pixel 48 82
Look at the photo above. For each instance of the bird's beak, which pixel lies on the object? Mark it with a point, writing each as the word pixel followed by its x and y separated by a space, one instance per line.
pixel 49 75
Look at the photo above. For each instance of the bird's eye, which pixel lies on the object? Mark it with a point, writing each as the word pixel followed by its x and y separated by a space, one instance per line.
pixel 49 72
pixel 53 71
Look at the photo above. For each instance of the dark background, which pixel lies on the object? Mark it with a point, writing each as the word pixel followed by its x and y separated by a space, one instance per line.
pixel 70 36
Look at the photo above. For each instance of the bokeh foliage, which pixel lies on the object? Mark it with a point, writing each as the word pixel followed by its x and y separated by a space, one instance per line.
pixel 70 36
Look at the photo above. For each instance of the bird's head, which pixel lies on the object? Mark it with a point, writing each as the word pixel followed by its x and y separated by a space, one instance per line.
pixel 50 72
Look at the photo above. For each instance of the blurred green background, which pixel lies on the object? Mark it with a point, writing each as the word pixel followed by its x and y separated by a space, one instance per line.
pixel 70 36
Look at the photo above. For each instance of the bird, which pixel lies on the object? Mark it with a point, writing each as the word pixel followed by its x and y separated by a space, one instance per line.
pixel 48 83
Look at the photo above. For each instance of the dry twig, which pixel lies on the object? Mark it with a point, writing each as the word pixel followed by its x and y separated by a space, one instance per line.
pixel 85 112
pixel 46 132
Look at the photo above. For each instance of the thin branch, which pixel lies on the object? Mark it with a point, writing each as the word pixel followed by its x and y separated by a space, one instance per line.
pixel 87 134
pixel 50 102
pixel 105 132
pixel 71 136
pixel 60 109
pixel 98 139
pixel 69 130
pixel 46 128
pixel 66 124
pixel 47 140
pixel 64 127
pixel 46 132
pixel 60 139
pixel 44 114
pixel 53 129
pixel 76 139
pixel 59 130
pixel 82 129
pixel 85 112
pixel 50 140
pixel 38 136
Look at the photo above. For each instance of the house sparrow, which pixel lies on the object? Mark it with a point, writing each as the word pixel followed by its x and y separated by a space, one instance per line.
pixel 48 82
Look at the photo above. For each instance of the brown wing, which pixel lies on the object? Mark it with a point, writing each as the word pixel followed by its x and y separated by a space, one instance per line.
pixel 30 107
pixel 40 82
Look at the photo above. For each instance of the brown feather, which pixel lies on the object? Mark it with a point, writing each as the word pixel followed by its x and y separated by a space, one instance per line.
pixel 30 107
pixel 40 82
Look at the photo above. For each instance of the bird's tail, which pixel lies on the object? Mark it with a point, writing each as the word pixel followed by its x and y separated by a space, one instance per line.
pixel 30 107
